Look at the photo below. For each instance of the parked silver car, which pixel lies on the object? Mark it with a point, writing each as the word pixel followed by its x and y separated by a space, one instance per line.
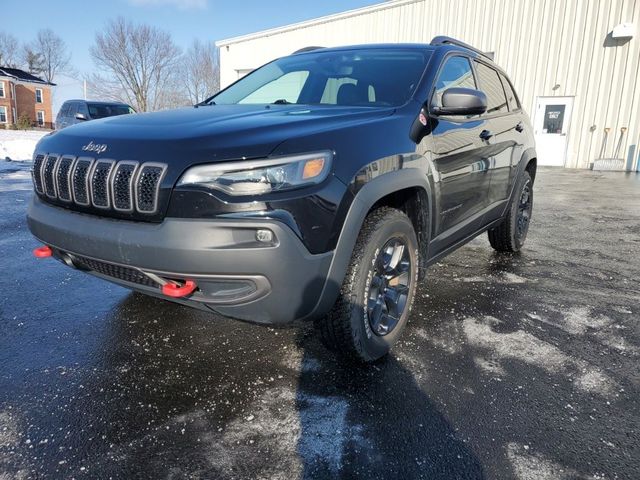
pixel 76 111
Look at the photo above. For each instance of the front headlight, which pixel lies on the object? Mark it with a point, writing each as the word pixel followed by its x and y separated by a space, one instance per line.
pixel 261 176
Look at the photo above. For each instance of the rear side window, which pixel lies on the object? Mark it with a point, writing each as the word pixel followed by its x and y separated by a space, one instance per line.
pixel 456 72
pixel 512 100
pixel 491 85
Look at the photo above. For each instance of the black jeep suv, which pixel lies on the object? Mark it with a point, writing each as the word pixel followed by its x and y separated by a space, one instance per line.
pixel 318 187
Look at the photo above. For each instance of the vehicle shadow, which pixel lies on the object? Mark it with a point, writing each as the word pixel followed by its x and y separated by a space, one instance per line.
pixel 372 421
pixel 172 392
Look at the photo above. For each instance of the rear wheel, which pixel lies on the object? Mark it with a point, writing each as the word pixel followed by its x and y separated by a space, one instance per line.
pixel 510 235
pixel 378 289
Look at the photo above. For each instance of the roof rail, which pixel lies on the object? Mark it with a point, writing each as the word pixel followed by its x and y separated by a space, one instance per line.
pixel 306 49
pixel 444 40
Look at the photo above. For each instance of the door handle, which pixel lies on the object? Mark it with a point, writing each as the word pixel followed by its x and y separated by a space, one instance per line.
pixel 485 134
pixel 520 127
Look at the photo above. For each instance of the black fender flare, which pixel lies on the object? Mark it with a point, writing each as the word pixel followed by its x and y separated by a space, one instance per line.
pixel 365 198
pixel 525 158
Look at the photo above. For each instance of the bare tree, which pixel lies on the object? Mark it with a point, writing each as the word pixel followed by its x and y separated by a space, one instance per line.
pixel 139 60
pixel 53 53
pixel 101 87
pixel 32 60
pixel 8 50
pixel 202 71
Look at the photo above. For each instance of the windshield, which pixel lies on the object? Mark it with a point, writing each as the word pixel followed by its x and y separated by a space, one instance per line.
pixel 364 77
pixel 101 110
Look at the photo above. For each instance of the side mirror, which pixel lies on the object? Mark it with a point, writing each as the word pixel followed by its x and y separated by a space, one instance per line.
pixel 81 116
pixel 461 101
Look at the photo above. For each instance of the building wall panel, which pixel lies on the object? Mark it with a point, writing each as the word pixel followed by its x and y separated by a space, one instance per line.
pixel 548 47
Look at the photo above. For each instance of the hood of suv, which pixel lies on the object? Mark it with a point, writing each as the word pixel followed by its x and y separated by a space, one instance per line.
pixel 187 136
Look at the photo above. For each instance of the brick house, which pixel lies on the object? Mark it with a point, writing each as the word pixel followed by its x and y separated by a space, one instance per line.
pixel 24 94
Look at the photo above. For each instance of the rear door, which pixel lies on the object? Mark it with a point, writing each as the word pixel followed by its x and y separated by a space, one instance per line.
pixel 460 162
pixel 501 138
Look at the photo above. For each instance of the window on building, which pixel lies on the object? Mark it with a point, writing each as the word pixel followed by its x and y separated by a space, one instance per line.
pixel 40 116
pixel 456 72
pixel 491 85
pixel 2 95
pixel 512 99
pixel 3 114
pixel 38 95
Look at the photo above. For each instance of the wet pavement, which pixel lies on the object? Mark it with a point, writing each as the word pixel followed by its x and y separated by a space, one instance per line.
pixel 520 366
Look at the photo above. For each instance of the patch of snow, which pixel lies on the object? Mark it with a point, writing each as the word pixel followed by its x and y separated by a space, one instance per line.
pixel 529 349
pixel 18 145
pixel 301 432
pixel 578 320
pixel 532 466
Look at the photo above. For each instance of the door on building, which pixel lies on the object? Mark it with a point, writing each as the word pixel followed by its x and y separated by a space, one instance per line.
pixel 551 127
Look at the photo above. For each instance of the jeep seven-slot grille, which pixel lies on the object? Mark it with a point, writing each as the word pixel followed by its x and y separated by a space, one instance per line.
pixel 62 178
pixel 116 271
pixel 124 186
pixel 147 187
pixel 100 183
pixel 48 171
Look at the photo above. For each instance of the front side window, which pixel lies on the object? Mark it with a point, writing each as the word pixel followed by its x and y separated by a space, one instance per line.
pixel 362 77
pixel 38 95
pixel 456 72
pixel 40 115
pixel 492 87
pixel 3 114
pixel 2 90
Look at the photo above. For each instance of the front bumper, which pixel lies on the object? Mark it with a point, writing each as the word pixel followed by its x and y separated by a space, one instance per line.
pixel 236 275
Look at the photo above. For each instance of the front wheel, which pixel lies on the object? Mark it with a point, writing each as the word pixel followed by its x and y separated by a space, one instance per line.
pixel 510 235
pixel 378 289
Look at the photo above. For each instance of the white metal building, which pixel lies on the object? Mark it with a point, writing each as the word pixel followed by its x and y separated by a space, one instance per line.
pixel 577 59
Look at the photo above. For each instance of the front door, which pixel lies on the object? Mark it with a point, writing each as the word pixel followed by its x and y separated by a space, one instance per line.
pixel 551 126
pixel 460 162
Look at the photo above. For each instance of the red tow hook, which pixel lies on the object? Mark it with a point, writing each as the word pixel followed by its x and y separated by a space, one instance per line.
pixel 42 252
pixel 177 291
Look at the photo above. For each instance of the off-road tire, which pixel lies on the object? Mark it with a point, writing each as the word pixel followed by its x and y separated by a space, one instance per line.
pixel 507 237
pixel 347 329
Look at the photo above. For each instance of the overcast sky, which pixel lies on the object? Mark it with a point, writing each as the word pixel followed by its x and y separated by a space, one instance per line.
pixel 77 21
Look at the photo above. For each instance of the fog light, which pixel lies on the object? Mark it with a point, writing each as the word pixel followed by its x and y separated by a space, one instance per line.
pixel 264 236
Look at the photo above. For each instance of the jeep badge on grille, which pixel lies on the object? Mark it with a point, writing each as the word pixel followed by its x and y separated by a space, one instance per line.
pixel 95 147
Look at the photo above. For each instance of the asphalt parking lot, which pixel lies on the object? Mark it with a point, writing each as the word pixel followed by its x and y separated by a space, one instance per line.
pixel 520 367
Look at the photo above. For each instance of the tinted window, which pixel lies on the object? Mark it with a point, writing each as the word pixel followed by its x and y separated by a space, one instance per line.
pixel 287 88
pixel 512 100
pixel 334 92
pixel 456 72
pixel 491 85
pixel 367 77
pixel 101 110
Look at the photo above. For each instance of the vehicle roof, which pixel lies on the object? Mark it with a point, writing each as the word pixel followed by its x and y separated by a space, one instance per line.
pixel 443 47
pixel 99 102
pixel 368 46
pixel 417 46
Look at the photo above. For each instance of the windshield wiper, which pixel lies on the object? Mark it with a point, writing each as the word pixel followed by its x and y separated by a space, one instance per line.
pixel 282 101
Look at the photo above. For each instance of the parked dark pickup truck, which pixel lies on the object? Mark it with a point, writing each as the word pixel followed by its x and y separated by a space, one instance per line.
pixel 319 187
